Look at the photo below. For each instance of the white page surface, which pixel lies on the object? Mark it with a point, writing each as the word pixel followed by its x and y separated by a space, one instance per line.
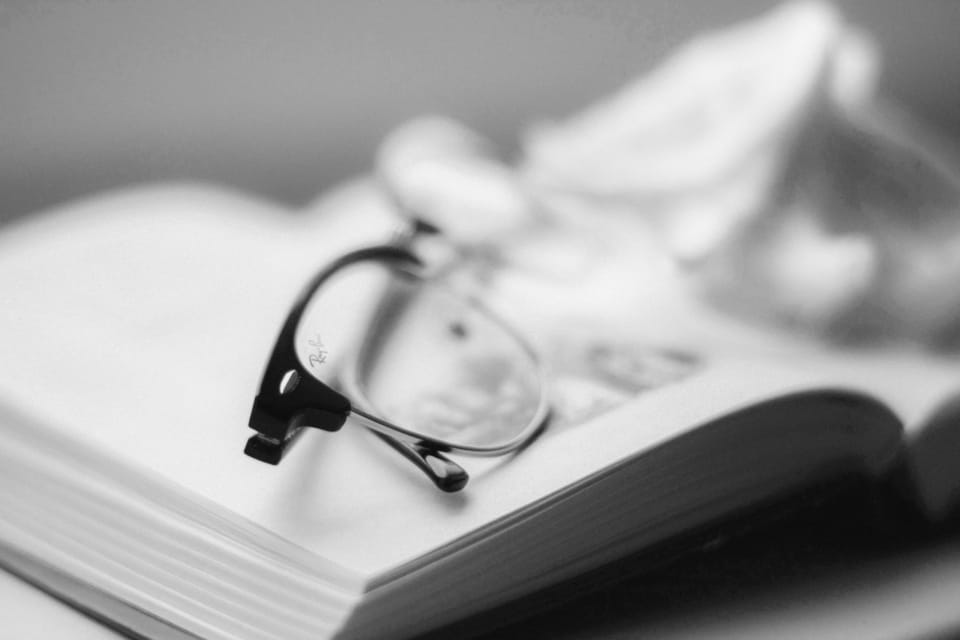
pixel 141 323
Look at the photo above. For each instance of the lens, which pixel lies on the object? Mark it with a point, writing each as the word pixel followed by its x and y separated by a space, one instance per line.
pixel 421 357
pixel 444 367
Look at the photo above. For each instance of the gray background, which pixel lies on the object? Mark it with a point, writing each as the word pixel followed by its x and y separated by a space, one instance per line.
pixel 284 98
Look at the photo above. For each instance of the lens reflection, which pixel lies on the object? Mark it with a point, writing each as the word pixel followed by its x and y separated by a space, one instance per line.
pixel 425 358
pixel 443 366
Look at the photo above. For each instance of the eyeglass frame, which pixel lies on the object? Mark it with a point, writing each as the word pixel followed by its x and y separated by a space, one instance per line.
pixel 291 398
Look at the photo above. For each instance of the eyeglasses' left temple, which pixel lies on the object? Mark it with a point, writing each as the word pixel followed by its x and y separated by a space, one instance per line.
pixel 290 398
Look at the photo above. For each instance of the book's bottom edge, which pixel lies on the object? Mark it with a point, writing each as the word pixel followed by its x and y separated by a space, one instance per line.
pixel 99 605
pixel 844 492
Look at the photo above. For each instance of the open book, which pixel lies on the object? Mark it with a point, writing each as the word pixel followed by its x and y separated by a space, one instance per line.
pixel 134 333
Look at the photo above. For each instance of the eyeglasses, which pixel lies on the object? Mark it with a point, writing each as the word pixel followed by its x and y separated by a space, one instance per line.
pixel 383 336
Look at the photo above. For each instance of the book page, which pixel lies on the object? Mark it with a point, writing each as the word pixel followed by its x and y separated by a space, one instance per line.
pixel 139 323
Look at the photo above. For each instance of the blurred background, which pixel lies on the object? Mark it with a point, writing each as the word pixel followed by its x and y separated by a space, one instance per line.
pixel 286 98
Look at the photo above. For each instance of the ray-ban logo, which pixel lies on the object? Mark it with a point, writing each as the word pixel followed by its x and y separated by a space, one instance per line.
pixel 317 353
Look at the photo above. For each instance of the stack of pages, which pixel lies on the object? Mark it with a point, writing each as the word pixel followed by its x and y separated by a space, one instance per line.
pixel 135 330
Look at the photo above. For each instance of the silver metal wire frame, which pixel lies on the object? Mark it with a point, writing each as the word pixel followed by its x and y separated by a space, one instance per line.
pixel 367 415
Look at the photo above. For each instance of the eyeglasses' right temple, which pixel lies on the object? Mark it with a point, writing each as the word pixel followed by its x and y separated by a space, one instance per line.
pixel 446 474
pixel 290 398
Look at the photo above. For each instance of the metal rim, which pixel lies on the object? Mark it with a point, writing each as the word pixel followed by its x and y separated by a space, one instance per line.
pixel 367 415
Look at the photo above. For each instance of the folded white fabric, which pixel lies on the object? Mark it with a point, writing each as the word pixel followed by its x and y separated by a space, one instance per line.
pixel 760 161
